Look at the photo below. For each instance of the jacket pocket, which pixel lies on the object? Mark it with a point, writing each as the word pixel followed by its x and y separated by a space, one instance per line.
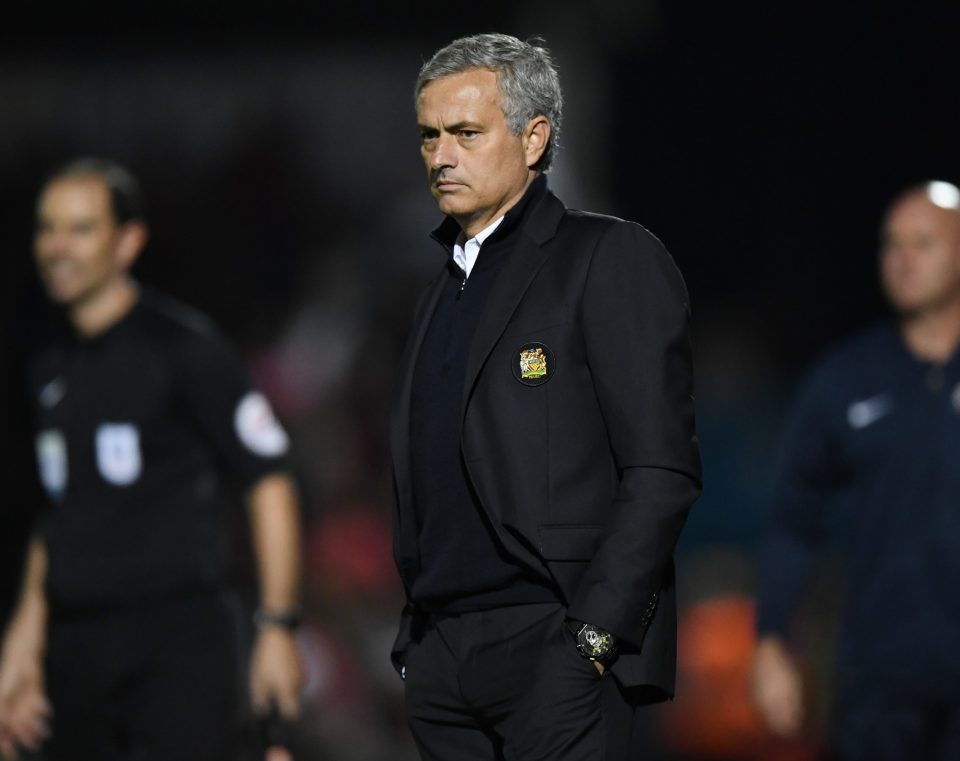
pixel 569 542
pixel 539 322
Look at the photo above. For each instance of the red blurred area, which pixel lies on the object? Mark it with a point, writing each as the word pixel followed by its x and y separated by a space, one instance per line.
pixel 349 553
pixel 713 716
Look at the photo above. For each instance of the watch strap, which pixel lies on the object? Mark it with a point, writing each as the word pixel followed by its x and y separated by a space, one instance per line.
pixel 285 619
pixel 573 626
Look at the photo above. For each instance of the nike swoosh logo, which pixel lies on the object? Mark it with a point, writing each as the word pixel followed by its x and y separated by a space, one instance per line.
pixel 52 393
pixel 866 412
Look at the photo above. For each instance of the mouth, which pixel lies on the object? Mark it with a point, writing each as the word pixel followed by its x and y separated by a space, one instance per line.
pixel 446 185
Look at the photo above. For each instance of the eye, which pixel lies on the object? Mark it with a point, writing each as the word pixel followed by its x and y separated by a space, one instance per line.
pixel 467 134
pixel 428 138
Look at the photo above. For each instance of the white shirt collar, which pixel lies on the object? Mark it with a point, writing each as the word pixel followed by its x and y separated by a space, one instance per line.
pixel 465 253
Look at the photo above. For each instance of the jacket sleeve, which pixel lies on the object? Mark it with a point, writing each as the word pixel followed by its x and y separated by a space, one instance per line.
pixel 635 321
pixel 809 470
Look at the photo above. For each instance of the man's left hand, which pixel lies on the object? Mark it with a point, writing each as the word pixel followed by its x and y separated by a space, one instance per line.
pixel 276 675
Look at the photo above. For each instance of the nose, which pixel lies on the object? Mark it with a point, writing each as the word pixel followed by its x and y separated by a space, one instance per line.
pixel 444 153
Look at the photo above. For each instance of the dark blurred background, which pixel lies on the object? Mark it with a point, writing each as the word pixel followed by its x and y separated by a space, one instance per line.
pixel 277 148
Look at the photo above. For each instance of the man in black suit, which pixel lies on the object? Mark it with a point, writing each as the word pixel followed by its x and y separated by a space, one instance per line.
pixel 543 439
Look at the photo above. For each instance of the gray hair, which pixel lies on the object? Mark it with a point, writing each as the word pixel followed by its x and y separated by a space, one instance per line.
pixel 525 72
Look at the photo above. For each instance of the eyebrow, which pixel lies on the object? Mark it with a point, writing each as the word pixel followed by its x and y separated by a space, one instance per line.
pixel 467 125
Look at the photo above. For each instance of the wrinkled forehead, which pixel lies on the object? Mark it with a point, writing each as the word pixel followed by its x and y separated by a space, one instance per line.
pixel 473 87
pixel 486 73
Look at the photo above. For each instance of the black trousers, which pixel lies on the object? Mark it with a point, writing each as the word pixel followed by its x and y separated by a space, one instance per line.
pixel 151 684
pixel 509 685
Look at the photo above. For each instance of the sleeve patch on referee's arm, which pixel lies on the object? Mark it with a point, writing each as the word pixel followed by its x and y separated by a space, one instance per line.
pixel 258 428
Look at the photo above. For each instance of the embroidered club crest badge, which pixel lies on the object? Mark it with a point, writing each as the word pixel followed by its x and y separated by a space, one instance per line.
pixel 534 364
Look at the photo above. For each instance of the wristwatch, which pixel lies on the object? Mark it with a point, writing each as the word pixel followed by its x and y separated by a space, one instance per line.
pixel 594 643
pixel 287 619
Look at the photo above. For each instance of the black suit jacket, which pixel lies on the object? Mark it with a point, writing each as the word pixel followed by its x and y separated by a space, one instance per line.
pixel 588 476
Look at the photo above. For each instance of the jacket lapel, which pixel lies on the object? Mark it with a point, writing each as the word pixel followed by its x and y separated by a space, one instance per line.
pixel 513 281
pixel 518 272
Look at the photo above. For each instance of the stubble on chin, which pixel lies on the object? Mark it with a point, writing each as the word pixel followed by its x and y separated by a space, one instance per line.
pixel 450 203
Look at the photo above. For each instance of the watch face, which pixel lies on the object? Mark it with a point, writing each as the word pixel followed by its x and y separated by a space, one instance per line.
pixel 594 642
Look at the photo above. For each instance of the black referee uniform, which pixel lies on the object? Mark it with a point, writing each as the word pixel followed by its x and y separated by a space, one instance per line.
pixel 871 456
pixel 139 431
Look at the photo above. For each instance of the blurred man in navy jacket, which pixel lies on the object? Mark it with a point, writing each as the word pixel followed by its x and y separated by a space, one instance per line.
pixel 876 429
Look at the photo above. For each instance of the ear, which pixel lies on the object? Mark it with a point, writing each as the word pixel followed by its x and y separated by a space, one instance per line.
pixel 536 135
pixel 131 238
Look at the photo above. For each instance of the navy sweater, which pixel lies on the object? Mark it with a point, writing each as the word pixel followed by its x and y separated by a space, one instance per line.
pixel 463 567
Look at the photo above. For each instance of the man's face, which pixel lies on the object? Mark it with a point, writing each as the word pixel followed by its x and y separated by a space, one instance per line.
pixel 920 255
pixel 77 239
pixel 476 167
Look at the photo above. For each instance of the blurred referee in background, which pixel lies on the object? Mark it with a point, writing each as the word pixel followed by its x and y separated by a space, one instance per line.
pixel 122 645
